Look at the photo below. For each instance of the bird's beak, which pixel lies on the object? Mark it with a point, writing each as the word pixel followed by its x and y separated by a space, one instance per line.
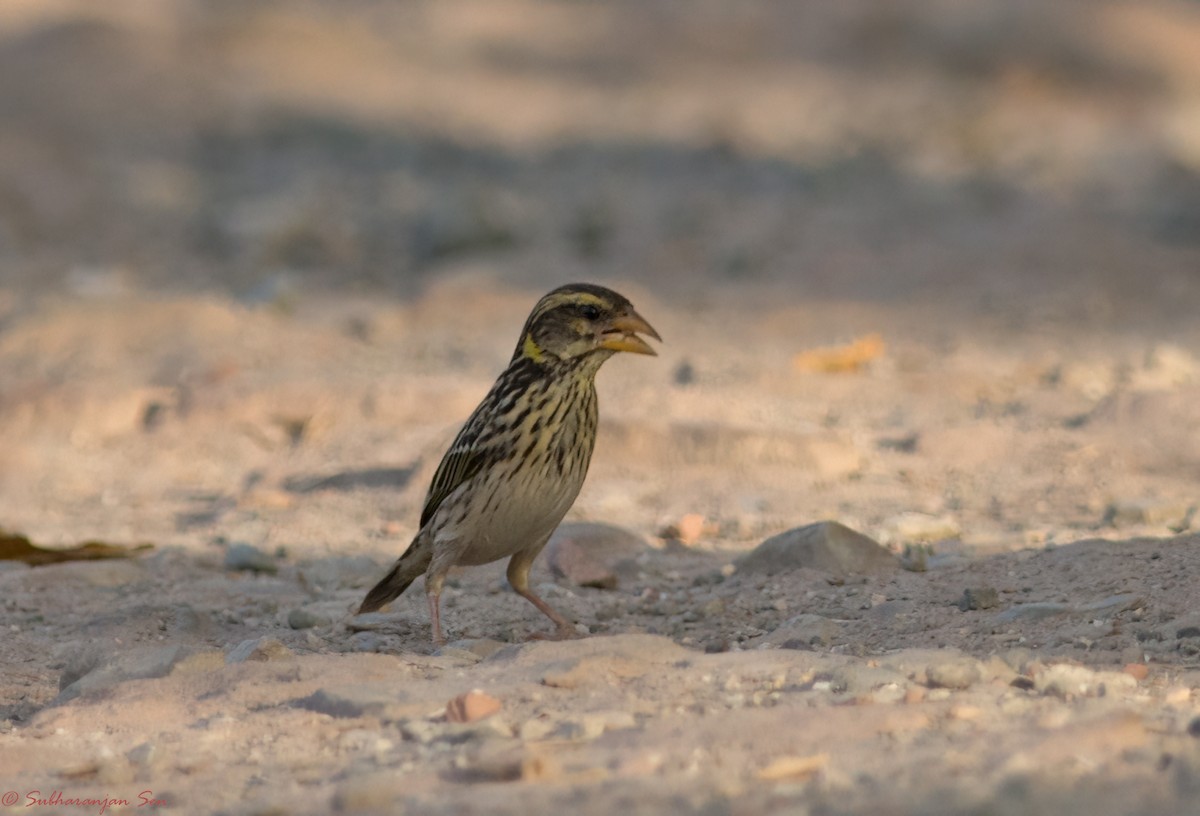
pixel 622 334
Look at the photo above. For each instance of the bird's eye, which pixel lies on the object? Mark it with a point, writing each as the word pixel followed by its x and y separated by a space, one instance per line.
pixel 590 312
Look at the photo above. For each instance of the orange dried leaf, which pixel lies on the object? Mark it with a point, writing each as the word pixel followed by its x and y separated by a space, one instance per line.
pixel 839 359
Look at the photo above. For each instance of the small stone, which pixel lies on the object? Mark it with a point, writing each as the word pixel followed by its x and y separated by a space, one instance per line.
pixel 954 673
pixel 368 642
pixel 826 545
pixel 372 622
pixel 1138 671
pixel 248 558
pixel 805 631
pixel 305 619
pixel 691 528
pixel 263 649
pixel 471 707
pixel 594 555
pixel 1193 728
pixel 142 754
pixel 979 598
pixel 1066 681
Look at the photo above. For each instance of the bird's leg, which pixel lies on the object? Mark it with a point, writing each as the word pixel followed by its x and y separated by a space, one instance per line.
pixel 433 593
pixel 518 577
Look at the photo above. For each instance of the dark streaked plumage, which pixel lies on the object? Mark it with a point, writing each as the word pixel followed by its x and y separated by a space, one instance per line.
pixel 518 463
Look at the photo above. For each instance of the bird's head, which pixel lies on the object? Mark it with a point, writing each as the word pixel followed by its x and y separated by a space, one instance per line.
pixel 581 320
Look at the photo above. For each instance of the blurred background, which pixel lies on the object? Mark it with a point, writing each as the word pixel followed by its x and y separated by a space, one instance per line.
pixel 875 149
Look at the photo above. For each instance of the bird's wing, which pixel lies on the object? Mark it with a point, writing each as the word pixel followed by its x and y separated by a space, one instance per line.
pixel 463 461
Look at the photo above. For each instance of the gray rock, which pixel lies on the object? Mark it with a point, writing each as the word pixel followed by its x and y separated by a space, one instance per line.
pixel 594 555
pixel 142 754
pixel 1032 612
pixel 979 598
pixel 248 558
pixel 105 672
pixel 263 648
pixel 805 631
pixel 185 620
pixel 366 642
pixel 954 673
pixel 826 545
pixel 305 619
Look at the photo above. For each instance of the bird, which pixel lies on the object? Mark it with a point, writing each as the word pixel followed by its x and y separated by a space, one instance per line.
pixel 518 463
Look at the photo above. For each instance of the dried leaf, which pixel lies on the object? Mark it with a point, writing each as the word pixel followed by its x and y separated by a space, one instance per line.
pixel 839 359
pixel 16 547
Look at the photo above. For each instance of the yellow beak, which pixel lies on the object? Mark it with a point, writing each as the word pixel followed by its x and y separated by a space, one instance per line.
pixel 622 334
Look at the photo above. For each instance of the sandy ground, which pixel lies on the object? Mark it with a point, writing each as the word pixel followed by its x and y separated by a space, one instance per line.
pixel 260 260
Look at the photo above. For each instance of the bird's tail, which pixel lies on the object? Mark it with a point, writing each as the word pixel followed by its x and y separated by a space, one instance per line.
pixel 406 569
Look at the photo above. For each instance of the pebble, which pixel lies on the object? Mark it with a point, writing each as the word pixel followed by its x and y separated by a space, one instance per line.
pixel 142 754
pixel 366 642
pixel 954 673
pixel 826 545
pixel 1138 671
pixel 305 619
pixel 805 631
pixel 979 598
pixel 262 649
pixel 103 672
pixel 248 558
pixel 472 706
pixel 594 555
pixel 1067 681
